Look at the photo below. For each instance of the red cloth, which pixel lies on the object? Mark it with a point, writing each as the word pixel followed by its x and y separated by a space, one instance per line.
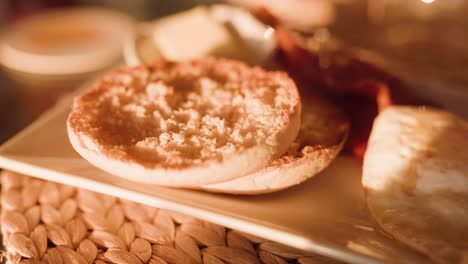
pixel 361 88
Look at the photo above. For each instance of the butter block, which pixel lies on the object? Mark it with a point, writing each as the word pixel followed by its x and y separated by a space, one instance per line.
pixel 194 34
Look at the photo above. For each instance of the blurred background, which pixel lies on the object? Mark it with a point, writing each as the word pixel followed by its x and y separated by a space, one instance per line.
pixel 424 40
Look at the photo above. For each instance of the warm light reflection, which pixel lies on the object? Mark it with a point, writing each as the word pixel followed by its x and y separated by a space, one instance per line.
pixel 268 33
pixel 427 1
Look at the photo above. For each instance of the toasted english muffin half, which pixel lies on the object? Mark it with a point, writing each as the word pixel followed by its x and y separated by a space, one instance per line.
pixel 416 179
pixel 186 124
pixel 324 129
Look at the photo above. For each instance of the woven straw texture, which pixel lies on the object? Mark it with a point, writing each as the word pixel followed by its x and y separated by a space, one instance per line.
pixel 45 222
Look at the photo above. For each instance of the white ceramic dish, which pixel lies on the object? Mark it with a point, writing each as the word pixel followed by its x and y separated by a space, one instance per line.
pixel 65 41
pixel 326 215
pixel 258 38
pixel 57 49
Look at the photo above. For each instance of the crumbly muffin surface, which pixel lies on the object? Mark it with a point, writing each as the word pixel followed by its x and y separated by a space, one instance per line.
pixel 183 114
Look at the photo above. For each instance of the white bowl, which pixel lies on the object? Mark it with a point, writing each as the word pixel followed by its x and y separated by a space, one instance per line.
pixel 65 41
pixel 258 38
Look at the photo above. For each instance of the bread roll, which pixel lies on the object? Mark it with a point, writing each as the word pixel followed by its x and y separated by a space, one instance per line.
pixel 416 179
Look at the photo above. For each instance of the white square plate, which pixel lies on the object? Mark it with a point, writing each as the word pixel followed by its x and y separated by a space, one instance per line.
pixel 326 214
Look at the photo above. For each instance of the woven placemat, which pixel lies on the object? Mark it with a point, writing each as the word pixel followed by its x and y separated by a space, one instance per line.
pixel 46 222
